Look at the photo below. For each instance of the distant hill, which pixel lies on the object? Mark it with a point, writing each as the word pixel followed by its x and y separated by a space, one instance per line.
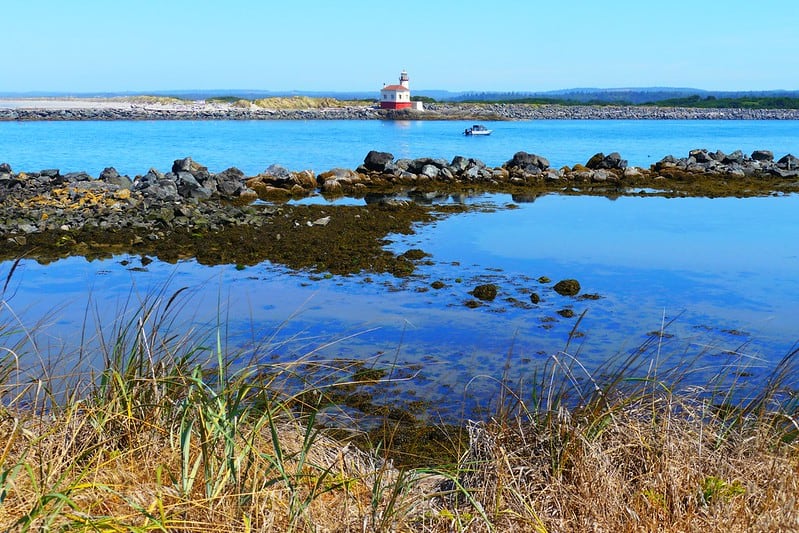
pixel 634 96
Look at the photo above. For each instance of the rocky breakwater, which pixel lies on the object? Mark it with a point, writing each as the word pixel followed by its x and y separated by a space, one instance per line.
pixel 35 202
pixel 187 112
pixel 214 217
pixel 89 109
pixel 190 212
pixel 510 111
pixel 760 164
pixel 702 172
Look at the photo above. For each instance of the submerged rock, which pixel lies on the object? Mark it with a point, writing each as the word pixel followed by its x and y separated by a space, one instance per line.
pixel 486 292
pixel 567 287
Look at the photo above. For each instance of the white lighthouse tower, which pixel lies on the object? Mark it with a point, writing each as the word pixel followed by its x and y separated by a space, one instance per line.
pixel 396 96
pixel 404 80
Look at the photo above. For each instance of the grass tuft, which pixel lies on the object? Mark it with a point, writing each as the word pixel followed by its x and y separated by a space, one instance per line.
pixel 172 432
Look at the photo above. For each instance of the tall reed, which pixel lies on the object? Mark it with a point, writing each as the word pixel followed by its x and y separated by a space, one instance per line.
pixel 173 431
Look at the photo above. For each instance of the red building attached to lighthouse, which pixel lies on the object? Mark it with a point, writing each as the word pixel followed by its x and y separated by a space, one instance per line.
pixel 396 96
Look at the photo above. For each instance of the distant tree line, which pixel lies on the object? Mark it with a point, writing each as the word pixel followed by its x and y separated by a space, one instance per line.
pixel 696 101
pixel 711 102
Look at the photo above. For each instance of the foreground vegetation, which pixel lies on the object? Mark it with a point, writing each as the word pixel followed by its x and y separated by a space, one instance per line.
pixel 173 431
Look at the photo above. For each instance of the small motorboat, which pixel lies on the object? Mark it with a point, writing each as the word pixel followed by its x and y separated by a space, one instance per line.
pixel 477 129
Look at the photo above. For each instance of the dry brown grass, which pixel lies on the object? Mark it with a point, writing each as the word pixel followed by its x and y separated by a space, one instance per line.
pixel 171 437
pixel 303 102
pixel 658 463
pixel 61 473
pixel 637 469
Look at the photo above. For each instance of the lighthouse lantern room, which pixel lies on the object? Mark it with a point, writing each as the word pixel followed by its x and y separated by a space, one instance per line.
pixel 396 96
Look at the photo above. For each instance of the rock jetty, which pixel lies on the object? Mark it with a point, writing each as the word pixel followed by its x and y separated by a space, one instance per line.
pixel 190 197
pixel 88 110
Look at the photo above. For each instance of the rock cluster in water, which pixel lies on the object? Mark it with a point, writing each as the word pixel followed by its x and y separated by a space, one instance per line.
pixel 189 196
pixel 33 202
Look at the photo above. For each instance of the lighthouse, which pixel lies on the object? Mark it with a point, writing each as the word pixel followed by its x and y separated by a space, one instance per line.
pixel 397 96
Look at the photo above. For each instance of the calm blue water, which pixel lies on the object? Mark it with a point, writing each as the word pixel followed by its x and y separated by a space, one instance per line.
pixel 135 147
pixel 723 270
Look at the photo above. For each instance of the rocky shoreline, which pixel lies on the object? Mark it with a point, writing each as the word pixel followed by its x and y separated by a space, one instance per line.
pixel 53 214
pixel 77 110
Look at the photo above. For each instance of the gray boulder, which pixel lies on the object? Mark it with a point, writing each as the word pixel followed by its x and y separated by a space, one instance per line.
pixel 431 171
pixel 736 157
pixel 189 187
pixel 230 182
pixel 111 176
pixel 700 156
pixel 525 160
pixel 789 162
pixel 763 155
pixel 278 174
pixel 187 165
pixel 611 161
pixel 459 164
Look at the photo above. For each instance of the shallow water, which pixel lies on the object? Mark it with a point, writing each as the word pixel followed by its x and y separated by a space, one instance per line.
pixel 723 270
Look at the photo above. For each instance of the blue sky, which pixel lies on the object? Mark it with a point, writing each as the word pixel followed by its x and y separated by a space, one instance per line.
pixel 490 45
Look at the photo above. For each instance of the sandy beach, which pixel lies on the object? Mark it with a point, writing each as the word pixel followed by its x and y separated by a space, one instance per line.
pixel 119 104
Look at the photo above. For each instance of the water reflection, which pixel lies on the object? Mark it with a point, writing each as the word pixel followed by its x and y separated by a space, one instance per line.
pixel 723 269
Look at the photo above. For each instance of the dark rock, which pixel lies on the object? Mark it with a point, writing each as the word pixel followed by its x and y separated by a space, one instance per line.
pixel 596 161
pixel 601 161
pixel 278 173
pixel 50 173
pixel 72 177
pixel 187 165
pixel 230 182
pixel 614 161
pixel 567 287
pixel 378 161
pixel 718 155
pixel 158 186
pixel 566 313
pixel 459 164
pixel 108 173
pixel 487 291
pixel 189 187
pixel 789 162
pixel 700 156
pixel 438 284
pixel 763 155
pixel 535 298
pixel 524 160
pixel 415 254
pixel 5 168
pixel 736 157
